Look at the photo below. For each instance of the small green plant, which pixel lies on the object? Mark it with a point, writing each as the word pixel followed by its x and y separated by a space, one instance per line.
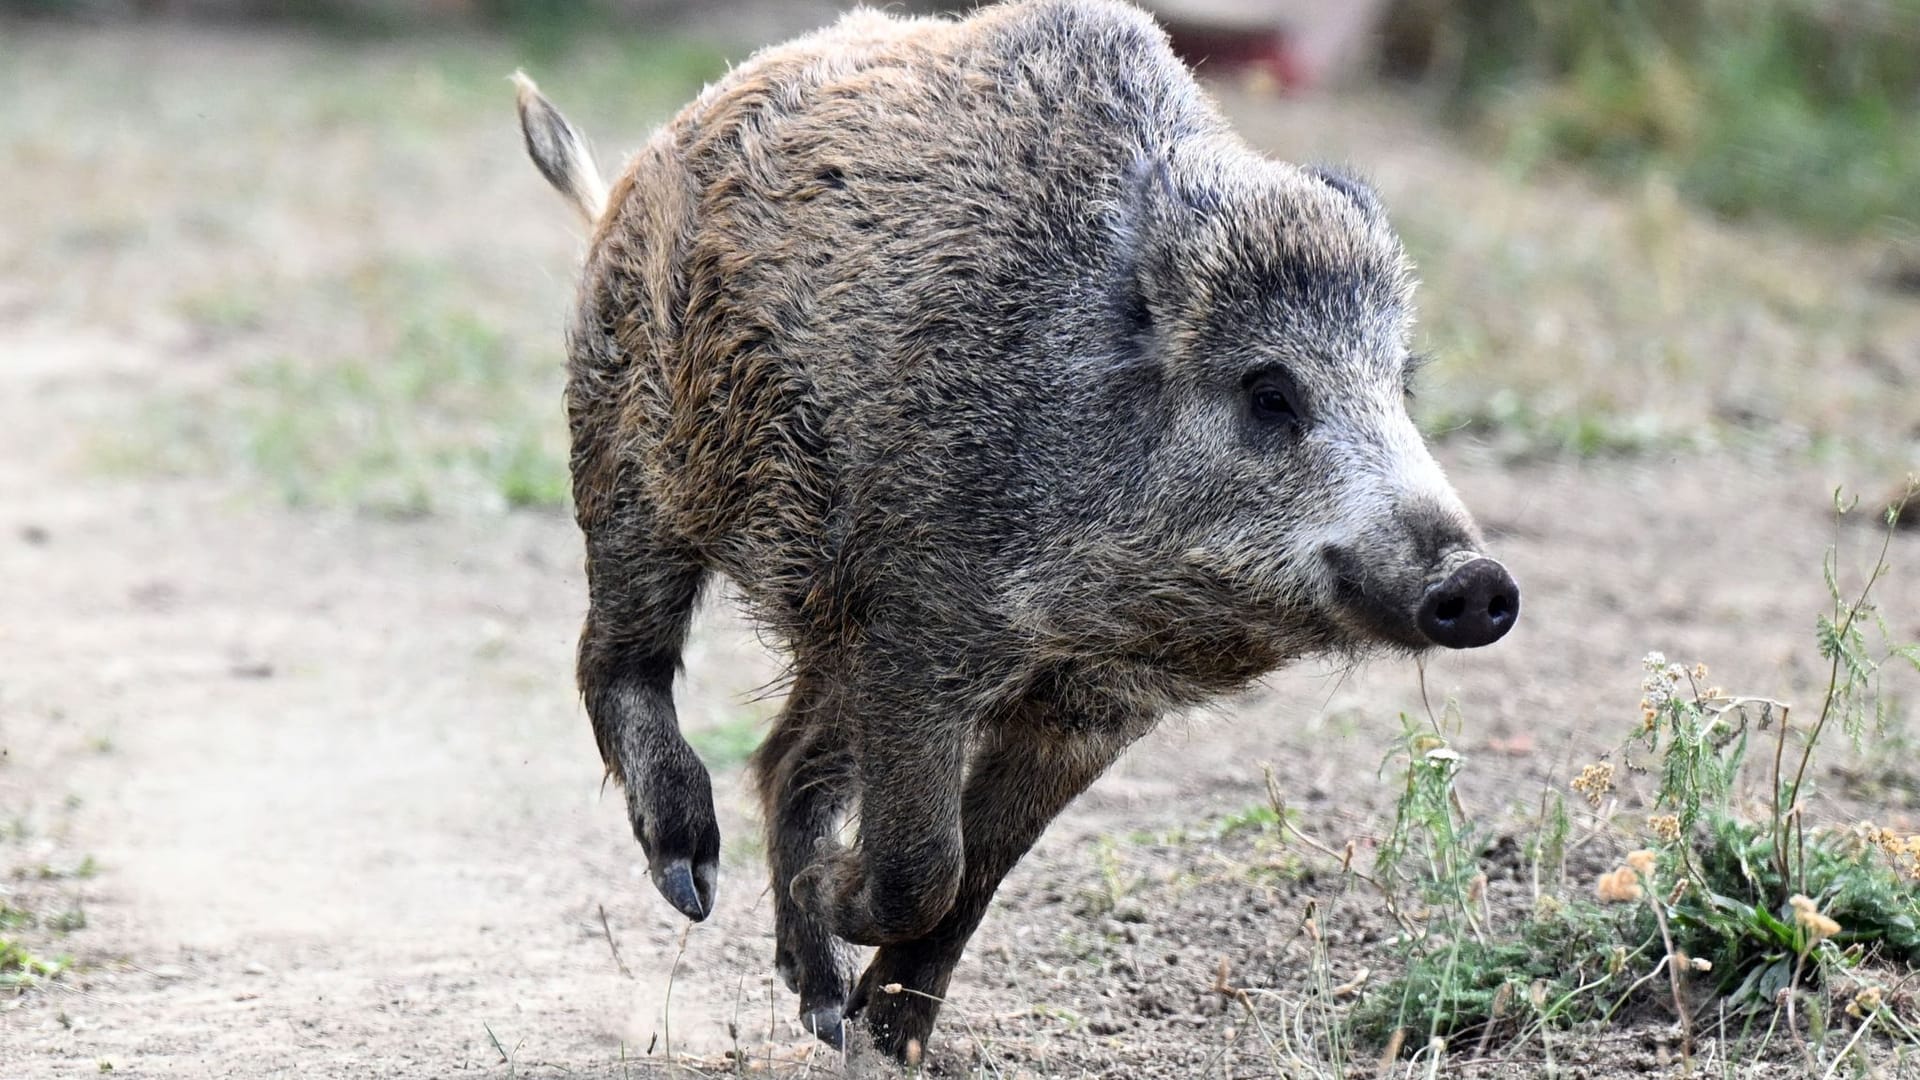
pixel 22 970
pixel 1116 882
pixel 14 918
pixel 1465 975
pixel 74 918
pixel 1774 902
pixel 82 870
pixel 1259 819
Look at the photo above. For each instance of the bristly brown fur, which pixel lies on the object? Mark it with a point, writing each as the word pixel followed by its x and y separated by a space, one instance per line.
pixel 938 339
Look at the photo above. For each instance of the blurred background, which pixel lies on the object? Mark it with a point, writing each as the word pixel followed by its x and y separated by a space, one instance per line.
pixel 291 770
pixel 1664 142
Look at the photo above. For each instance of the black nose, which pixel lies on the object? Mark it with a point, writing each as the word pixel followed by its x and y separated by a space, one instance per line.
pixel 1475 606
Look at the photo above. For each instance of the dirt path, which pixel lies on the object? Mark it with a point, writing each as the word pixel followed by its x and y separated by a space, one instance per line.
pixel 321 788
pixel 348 816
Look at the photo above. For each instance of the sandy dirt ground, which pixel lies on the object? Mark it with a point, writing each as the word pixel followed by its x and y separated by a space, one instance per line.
pixel 319 782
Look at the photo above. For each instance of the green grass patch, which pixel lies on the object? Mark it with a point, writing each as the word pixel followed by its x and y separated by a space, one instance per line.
pixel 1260 819
pixel 1257 819
pixel 1518 429
pixel 225 311
pixel 601 81
pixel 1695 901
pixel 13 918
pixel 1780 108
pixel 20 969
pixel 348 354
pixel 68 921
pixel 436 409
pixel 728 745
pixel 1111 894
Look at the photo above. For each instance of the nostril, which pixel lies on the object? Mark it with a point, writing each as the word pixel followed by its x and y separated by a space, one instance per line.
pixel 1476 605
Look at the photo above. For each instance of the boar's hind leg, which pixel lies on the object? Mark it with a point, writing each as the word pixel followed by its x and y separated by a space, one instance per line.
pixel 804 773
pixel 643 594
pixel 1018 783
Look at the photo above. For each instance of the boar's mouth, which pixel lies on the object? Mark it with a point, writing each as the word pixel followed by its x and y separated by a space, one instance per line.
pixel 1365 610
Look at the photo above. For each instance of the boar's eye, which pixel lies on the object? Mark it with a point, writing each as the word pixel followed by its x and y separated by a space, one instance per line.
pixel 1272 399
pixel 1270 403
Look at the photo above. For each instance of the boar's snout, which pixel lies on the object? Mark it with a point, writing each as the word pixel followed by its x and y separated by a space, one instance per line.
pixel 1473 606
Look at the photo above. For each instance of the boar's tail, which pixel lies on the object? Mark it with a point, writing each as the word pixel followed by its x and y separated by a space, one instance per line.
pixel 559 151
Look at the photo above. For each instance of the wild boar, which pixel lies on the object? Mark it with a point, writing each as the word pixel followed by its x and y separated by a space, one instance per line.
pixel 1024 403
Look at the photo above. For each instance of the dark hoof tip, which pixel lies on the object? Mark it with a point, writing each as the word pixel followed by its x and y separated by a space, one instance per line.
pixel 828 1025
pixel 674 879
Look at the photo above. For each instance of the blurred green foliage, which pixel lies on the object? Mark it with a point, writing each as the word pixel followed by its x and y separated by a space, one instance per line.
pixel 1805 109
pixel 543 27
pixel 437 409
pixel 392 342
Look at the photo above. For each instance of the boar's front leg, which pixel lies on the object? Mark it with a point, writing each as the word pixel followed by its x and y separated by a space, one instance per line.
pixel 1021 778
pixel 905 871
pixel 909 728
pixel 643 592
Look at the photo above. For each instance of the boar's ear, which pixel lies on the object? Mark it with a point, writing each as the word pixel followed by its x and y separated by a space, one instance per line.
pixel 1357 191
pixel 1156 195
pixel 1160 210
pixel 1145 188
pixel 1146 217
